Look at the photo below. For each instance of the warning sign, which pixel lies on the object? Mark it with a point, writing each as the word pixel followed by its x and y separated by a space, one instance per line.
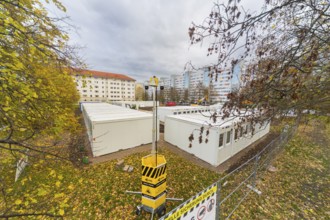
pixel 202 206
pixel 201 212
pixel 210 205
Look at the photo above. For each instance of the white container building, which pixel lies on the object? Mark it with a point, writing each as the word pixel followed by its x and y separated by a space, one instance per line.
pixel 112 128
pixel 224 140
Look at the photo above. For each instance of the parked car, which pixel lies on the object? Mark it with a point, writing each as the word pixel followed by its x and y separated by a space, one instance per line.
pixel 170 103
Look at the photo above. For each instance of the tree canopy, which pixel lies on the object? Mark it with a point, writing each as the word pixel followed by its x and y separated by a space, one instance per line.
pixel 37 95
pixel 285 48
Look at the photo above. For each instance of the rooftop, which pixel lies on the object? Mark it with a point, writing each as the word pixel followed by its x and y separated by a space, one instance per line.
pixel 104 112
pixel 205 119
pixel 103 74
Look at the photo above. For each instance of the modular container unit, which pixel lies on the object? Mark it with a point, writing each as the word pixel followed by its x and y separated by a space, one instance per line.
pixel 182 110
pixel 224 140
pixel 136 103
pixel 112 128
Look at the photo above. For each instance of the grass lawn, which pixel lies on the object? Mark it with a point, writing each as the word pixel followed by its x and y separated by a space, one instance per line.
pixel 299 190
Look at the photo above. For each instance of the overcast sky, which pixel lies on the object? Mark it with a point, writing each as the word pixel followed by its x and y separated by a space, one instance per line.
pixel 139 38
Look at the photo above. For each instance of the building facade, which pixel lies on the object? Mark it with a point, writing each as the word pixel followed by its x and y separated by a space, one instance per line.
pixel 199 83
pixel 103 86
pixel 221 86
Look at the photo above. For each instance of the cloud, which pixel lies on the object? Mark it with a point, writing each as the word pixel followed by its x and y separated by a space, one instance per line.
pixel 138 38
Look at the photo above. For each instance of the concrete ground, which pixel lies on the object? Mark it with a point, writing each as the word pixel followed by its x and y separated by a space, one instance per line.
pixel 237 158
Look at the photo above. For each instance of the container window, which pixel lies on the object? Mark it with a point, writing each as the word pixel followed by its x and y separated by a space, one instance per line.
pixel 248 128
pixel 175 113
pixel 221 140
pixel 228 138
pixel 236 134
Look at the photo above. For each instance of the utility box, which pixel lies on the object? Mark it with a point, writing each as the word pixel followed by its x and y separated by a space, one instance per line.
pixel 154 183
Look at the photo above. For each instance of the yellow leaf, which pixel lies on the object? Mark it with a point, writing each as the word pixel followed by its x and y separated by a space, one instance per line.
pixel 52 172
pixel 60 177
pixel 61 212
pixel 58 195
pixel 58 183
pixel 41 192
pixel 18 201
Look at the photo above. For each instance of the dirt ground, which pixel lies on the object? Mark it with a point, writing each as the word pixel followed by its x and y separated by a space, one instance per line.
pixel 228 165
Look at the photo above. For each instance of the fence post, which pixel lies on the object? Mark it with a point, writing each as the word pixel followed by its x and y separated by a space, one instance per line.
pixel 218 204
pixel 255 170
pixel 271 153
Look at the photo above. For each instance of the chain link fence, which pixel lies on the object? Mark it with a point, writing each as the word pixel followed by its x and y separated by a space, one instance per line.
pixel 235 187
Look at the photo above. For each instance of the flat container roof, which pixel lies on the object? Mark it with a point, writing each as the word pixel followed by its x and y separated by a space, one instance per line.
pixel 204 119
pixel 174 108
pixel 104 112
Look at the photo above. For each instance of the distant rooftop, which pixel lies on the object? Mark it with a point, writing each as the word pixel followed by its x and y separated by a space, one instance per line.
pixel 102 74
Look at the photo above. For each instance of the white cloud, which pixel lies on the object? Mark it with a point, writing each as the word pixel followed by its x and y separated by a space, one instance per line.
pixel 138 38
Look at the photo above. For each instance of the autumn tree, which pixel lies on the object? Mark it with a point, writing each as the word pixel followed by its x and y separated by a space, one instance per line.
pixel 146 95
pixel 186 95
pixel 161 96
pixel 37 94
pixel 200 90
pixel 139 93
pixel 285 45
pixel 174 94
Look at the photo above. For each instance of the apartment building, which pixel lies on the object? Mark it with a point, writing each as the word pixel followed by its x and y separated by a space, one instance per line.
pixel 166 82
pixel 177 81
pixel 103 86
pixel 198 81
pixel 221 86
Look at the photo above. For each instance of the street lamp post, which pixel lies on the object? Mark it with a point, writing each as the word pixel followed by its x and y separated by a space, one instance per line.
pixel 153 189
pixel 153 82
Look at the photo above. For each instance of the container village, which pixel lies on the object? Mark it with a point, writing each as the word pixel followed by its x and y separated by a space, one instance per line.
pixel 164 110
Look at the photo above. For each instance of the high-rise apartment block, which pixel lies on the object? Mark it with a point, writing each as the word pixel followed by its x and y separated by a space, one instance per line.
pixel 199 82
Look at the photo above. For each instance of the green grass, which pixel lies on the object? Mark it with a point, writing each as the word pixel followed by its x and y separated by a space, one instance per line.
pixel 301 187
pixel 98 191
pixel 299 190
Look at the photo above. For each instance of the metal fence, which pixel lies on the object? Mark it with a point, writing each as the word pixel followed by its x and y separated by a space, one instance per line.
pixel 239 183
pixel 234 187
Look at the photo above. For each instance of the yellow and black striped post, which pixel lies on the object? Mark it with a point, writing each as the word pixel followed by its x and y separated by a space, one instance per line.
pixel 153 181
